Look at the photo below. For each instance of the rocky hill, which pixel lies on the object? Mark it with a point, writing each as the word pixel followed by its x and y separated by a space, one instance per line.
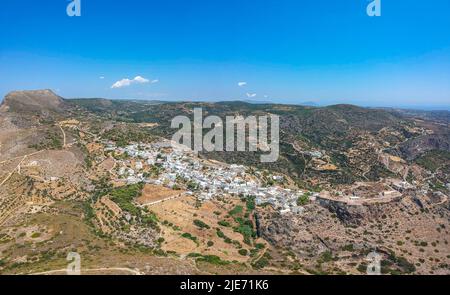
pixel 34 102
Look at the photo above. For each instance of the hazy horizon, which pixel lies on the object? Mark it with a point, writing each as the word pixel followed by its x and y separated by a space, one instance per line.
pixel 279 101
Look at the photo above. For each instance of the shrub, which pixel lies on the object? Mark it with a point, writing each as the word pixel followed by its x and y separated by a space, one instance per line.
pixel 260 246
pixel 237 210
pixel 250 204
pixel 348 247
pixel 220 234
pixel 261 263
pixel 224 223
pixel 200 224
pixel 190 237
pixel 362 268
pixel 213 259
pixel 326 256
pixel 124 197
pixel 302 200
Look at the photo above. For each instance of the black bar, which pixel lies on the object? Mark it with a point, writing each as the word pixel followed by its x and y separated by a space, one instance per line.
pixel 308 285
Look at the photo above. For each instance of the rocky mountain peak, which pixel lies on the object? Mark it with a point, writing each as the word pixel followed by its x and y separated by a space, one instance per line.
pixel 40 101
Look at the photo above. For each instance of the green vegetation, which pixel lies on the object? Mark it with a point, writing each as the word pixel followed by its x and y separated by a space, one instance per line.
pixel 262 262
pixel 260 246
pixel 404 264
pixel 326 256
pixel 125 135
pixel 362 268
pixel 395 265
pixel 149 219
pixel 244 225
pixel 433 160
pixel 250 203
pixel 51 141
pixel 190 237
pixel 124 197
pixel 303 199
pixel 200 224
pixel 155 171
pixel 193 186
pixel 245 228
pixel 348 247
pixel 212 259
pixel 226 239
pixel 224 223
pixel 220 234
pixel 237 210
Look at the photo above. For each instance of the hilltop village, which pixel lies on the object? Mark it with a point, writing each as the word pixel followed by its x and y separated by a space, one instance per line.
pixel 173 166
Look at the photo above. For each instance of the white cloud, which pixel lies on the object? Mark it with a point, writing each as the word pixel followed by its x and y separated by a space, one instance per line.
pixel 101 77
pixel 140 79
pixel 251 95
pixel 137 80
pixel 122 83
pixel 242 84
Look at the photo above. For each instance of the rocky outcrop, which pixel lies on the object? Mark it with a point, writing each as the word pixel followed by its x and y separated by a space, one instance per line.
pixel 416 147
pixel 356 214
pixel 349 214
pixel 290 232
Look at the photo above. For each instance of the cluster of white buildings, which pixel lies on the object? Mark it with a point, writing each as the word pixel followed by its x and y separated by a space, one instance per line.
pixel 208 180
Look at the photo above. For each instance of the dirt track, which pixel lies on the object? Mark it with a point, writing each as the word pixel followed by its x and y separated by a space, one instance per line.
pixel 64 271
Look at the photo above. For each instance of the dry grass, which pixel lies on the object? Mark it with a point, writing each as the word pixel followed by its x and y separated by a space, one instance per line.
pixel 182 212
pixel 154 193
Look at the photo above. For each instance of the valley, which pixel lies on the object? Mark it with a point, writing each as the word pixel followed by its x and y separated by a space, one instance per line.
pixel 101 178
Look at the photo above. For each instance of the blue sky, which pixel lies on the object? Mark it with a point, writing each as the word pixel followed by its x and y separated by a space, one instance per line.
pixel 287 51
